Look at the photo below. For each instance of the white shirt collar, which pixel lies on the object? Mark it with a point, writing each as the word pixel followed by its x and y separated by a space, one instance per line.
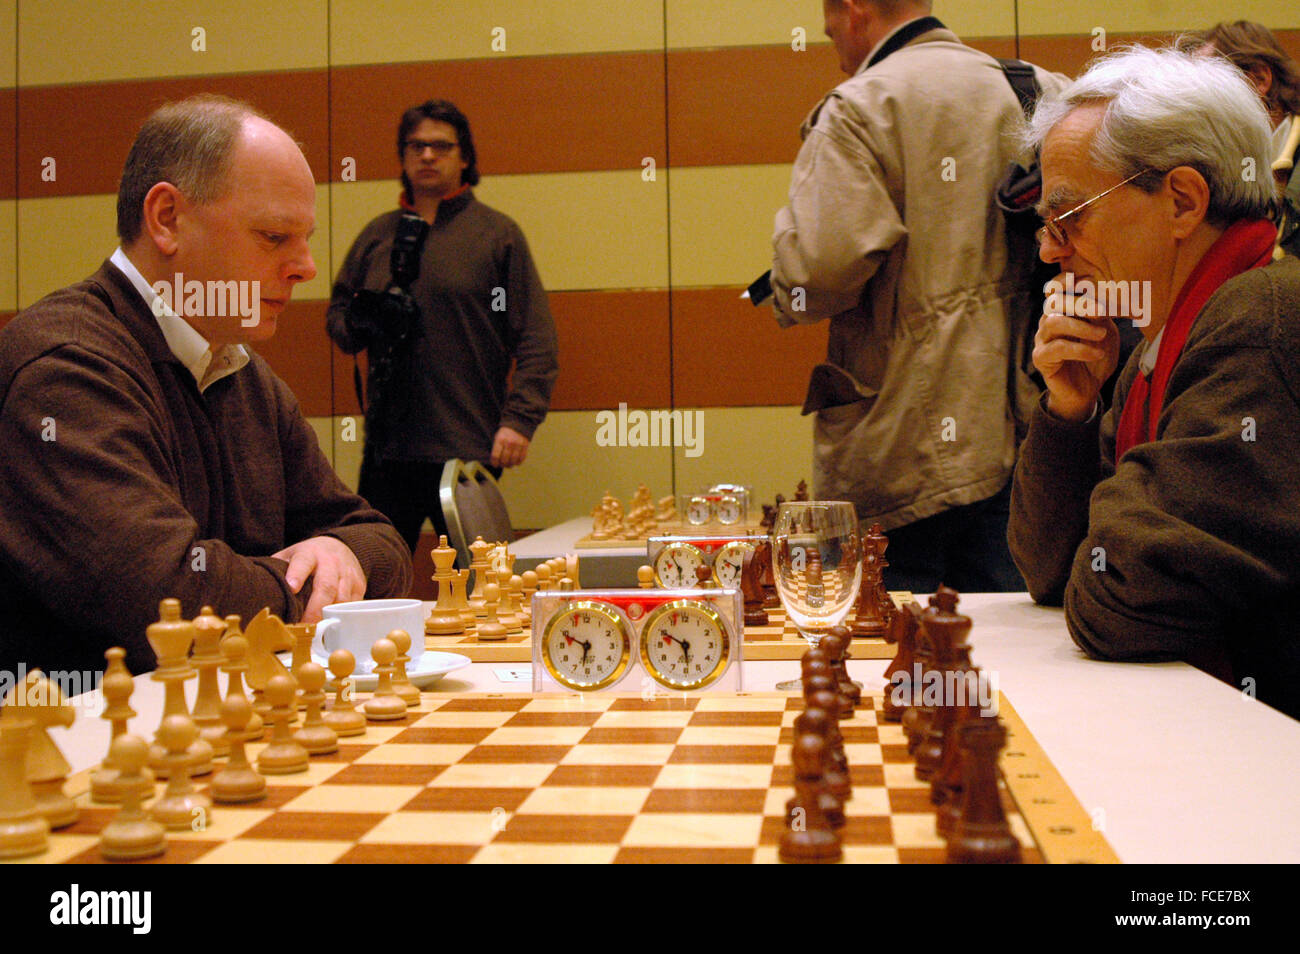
pixel 1147 363
pixel 190 347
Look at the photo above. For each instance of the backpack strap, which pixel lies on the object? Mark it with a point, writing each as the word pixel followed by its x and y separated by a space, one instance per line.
pixel 1022 79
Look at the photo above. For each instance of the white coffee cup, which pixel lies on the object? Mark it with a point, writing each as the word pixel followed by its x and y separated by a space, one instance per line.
pixel 356 626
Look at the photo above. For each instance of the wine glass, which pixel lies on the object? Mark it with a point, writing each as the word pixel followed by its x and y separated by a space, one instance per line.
pixel 817 562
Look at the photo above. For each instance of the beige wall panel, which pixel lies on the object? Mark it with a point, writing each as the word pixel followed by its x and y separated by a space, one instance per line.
pixel 323 427
pixel 65 239
pixel 1120 16
pixel 129 39
pixel 586 230
pixel 768 449
pixel 8 277
pixel 62 241
pixel 8 46
pixel 708 23
pixel 722 221
pixel 567 472
pixel 397 31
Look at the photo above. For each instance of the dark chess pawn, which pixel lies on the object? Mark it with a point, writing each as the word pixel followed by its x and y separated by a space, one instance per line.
pixel 825 679
pixel 809 838
pixel 837 778
pixel 836 645
pixel 819 722
pixel 917 717
pixel 981 834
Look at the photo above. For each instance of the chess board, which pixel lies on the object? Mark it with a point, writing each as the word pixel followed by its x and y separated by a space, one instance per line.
pixel 596 778
pixel 777 640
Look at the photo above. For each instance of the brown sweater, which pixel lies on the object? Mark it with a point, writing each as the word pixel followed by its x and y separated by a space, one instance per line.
pixel 121 484
pixel 1189 547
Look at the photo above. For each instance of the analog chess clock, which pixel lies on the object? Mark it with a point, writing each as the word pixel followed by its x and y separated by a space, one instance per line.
pixel 675 565
pixel 685 645
pixel 729 562
pixel 587 646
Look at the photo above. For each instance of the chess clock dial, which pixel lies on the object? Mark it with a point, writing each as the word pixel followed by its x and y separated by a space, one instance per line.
pixel 685 645
pixel 587 646
pixel 698 511
pixel 728 510
pixel 675 565
pixel 730 562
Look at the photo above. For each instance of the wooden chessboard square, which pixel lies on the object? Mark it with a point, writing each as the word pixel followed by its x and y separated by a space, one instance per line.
pixel 565 829
pixel 378 774
pixel 492 703
pixel 527 737
pixel 706 775
pixel 67 846
pixel 313 825
pixel 523 853
pixel 916 831
pixel 604 775
pixel 223 822
pixel 644 719
pixel 703 830
pixel 435 828
pixel 511 754
pixel 743 702
pixel 91 819
pixel 631 736
pixel 416 755
pixel 862 753
pixel 178 852
pixel 738 736
pixel 910 800
pixel 896 754
pixel 697 800
pixel 717 754
pixel 572 800
pixel 290 851
pixel 458 721
pixel 403 854
pixel 618 754
pixel 902 775
pixel 468 799
pixel 659 703
pixel 429 735
pixel 569 702
pixel 683 855
pixel 540 719
pixel 891 733
pixel 708 718
pixel 495 775
pixel 354 798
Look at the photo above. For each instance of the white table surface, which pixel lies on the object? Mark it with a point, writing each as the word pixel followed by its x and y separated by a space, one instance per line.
pixel 1174 765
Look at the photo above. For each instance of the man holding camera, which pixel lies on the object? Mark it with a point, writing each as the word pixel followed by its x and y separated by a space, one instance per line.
pixel 443 295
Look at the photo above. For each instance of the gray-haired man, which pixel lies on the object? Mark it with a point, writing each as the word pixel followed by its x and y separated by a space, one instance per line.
pixel 1169 523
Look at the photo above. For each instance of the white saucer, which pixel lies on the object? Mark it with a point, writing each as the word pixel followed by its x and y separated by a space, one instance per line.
pixel 430 667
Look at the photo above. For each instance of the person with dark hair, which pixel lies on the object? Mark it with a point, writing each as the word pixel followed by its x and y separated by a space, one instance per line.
pixel 1253 49
pixel 148 453
pixel 443 295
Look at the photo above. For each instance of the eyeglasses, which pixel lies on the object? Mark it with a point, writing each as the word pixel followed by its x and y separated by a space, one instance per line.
pixel 1052 225
pixel 440 147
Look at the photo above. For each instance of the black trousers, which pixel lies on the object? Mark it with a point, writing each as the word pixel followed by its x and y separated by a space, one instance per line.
pixel 406 492
pixel 965 548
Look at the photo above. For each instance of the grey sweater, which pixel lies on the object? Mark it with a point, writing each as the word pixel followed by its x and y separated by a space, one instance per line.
pixel 482 307
pixel 1189 546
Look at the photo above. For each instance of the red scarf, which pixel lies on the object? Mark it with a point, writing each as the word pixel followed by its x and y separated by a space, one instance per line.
pixel 1244 245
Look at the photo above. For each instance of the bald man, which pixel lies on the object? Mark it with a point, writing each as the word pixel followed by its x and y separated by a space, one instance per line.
pixel 148 452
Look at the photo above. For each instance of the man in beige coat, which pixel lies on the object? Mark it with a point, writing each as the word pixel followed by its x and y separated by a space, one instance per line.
pixel 892 234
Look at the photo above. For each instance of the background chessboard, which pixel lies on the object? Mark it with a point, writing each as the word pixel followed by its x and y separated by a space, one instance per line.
pixel 777 640
pixel 595 778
